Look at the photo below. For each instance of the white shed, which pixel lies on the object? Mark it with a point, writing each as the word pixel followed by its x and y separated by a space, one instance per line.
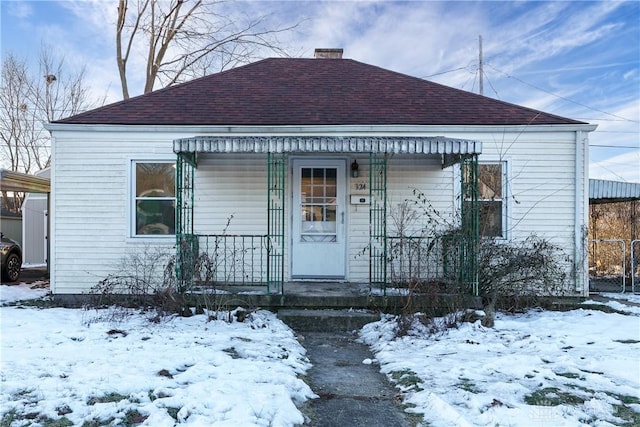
pixel 35 226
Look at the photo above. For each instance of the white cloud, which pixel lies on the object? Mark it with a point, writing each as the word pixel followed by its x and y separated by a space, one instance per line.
pixel 20 10
pixel 622 167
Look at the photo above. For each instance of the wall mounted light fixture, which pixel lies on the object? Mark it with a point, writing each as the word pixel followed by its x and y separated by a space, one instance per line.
pixel 354 169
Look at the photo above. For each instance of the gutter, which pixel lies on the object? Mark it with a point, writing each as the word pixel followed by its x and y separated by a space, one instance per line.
pixel 355 130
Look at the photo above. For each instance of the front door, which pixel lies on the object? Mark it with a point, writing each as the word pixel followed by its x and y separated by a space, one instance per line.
pixel 318 249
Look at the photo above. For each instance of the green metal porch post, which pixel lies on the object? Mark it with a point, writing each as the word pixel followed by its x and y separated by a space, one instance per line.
pixel 470 217
pixel 276 171
pixel 378 220
pixel 186 242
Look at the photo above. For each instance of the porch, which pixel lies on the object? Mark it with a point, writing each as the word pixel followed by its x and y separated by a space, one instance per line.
pixel 257 267
pixel 314 295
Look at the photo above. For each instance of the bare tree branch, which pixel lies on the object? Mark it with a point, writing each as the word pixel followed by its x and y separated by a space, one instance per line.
pixel 183 39
pixel 30 99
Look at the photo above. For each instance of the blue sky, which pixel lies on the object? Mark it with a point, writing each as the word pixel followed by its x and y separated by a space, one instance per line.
pixel 575 59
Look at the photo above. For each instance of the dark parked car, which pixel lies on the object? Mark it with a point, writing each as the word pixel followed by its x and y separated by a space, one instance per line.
pixel 11 259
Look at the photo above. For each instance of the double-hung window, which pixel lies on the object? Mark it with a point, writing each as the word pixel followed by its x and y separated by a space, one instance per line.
pixel 491 199
pixel 154 198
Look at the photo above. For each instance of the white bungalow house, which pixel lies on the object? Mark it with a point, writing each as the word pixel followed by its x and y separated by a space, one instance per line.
pixel 295 169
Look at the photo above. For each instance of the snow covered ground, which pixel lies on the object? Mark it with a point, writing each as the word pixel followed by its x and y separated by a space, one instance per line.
pixel 109 367
pixel 542 368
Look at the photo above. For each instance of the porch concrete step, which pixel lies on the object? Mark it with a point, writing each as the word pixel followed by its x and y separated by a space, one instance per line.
pixel 326 320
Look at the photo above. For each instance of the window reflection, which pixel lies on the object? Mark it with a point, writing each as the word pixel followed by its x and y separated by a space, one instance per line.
pixel 155 198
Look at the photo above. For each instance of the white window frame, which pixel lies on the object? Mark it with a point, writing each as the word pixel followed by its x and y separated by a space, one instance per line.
pixel 505 232
pixel 132 214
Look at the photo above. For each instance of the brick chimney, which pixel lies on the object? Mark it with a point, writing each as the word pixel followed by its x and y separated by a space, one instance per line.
pixel 328 53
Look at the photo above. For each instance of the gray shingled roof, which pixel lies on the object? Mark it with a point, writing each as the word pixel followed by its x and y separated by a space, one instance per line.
pixel 285 91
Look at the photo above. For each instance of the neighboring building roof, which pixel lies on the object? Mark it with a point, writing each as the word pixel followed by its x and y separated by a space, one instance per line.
pixel 285 91
pixel 601 191
pixel 22 182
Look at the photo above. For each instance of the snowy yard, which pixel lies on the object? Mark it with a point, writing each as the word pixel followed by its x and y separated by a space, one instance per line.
pixel 542 368
pixel 96 367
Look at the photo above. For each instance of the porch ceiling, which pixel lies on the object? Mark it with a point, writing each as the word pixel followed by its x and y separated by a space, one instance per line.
pixel 327 144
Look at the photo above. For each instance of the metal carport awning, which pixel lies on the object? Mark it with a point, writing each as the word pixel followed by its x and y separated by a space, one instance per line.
pixel 329 144
pixel 22 182
pixel 603 191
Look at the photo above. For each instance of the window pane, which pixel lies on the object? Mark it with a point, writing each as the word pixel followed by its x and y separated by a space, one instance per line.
pixel 490 181
pixel 318 204
pixel 305 193
pixel 330 191
pixel 155 180
pixel 318 176
pixel 330 213
pixel 155 216
pixel 490 219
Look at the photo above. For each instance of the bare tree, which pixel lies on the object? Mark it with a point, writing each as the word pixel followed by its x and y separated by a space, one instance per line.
pixel 28 100
pixel 183 39
pixel 609 223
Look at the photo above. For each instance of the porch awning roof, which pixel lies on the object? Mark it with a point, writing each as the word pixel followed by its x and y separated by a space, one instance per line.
pixel 327 144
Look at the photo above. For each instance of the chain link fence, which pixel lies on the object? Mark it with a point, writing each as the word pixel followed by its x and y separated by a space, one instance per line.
pixel 607 265
pixel 635 266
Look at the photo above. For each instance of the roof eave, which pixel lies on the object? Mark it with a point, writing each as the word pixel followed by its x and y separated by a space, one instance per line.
pixel 316 129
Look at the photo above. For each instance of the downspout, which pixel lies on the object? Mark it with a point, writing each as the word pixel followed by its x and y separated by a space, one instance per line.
pixel 51 219
pixel 580 254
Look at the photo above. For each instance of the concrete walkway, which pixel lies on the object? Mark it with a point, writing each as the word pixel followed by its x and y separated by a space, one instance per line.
pixel 351 393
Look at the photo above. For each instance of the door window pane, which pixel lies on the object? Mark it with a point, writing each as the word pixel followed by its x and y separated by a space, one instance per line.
pixel 318 204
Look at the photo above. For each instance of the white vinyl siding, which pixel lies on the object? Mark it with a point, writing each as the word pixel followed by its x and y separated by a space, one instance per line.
pixel 90 204
pixel 92 194
pixel 540 184
pixel 231 188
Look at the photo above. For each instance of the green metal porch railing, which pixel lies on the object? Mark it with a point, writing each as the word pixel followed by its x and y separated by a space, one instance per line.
pixel 231 260
pixel 433 263
pixel 442 261
pixel 412 258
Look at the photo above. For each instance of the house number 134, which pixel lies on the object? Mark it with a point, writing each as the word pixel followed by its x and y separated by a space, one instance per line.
pixel 361 186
